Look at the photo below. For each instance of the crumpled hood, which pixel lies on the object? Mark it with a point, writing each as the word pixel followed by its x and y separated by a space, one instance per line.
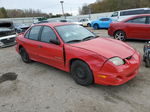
pixel 107 47
pixel 6 29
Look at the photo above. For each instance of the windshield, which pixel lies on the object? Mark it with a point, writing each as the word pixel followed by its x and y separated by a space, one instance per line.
pixel 74 33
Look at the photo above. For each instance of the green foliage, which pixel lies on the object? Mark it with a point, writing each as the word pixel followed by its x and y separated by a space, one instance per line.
pixel 3 13
pixel 114 5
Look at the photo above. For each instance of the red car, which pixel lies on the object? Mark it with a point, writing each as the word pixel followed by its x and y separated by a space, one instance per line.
pixel 137 27
pixel 74 49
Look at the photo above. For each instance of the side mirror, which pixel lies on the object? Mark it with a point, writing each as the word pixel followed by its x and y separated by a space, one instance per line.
pixel 55 41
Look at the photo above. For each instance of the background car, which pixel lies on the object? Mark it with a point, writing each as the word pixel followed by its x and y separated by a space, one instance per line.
pixel 146 56
pixel 85 22
pixel 20 28
pixel 137 27
pixel 7 34
pixel 75 49
pixel 124 14
pixel 101 23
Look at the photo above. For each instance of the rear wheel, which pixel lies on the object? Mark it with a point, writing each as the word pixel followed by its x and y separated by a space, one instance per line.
pixel 81 73
pixel 96 27
pixel 88 25
pixel 147 61
pixel 120 35
pixel 24 55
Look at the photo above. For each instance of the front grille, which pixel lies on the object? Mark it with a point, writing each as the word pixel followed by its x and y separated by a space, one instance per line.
pixel 9 40
pixel 2 34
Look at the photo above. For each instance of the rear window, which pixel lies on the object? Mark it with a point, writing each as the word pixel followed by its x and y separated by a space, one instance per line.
pixel 139 20
pixel 104 19
pixel 134 12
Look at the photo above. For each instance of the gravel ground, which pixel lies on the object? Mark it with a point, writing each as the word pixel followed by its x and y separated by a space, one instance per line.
pixel 41 88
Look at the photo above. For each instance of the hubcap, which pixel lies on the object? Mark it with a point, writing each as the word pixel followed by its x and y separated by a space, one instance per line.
pixel 80 73
pixel 119 36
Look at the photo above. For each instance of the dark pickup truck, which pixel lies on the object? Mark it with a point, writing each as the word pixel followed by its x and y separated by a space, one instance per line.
pixel 7 34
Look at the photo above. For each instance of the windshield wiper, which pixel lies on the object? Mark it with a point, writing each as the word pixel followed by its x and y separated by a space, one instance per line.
pixel 74 41
pixel 89 38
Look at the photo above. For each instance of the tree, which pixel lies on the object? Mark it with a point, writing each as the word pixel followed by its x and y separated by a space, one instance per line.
pixel 114 5
pixel 3 13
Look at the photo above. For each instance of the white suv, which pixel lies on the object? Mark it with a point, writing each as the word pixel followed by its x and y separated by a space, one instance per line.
pixel 124 14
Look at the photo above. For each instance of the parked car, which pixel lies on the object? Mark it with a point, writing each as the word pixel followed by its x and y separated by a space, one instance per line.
pixel 72 48
pixel 7 34
pixel 21 28
pixel 124 14
pixel 43 21
pixel 70 21
pixel 146 56
pixel 101 23
pixel 137 27
pixel 86 22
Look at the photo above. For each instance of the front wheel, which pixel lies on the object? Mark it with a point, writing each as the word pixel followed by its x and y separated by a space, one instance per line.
pixel 120 35
pixel 81 73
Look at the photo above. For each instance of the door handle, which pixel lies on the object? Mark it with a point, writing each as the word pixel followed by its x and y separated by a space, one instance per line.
pixel 39 46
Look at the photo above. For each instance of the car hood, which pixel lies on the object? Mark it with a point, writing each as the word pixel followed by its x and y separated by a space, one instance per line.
pixel 107 47
pixel 5 29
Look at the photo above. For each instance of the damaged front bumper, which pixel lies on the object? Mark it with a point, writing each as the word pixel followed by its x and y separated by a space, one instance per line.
pixel 9 40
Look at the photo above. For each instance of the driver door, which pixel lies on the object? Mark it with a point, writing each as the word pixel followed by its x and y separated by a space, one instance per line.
pixel 48 52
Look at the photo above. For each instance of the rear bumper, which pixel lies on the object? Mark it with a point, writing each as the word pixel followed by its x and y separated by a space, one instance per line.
pixel 124 73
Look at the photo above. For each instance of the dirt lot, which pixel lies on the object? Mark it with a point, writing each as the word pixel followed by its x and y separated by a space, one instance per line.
pixel 41 88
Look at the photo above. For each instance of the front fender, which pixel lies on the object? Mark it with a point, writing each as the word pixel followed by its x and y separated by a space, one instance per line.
pixel 94 60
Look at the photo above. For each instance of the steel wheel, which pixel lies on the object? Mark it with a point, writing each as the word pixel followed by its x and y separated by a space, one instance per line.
pixel 81 73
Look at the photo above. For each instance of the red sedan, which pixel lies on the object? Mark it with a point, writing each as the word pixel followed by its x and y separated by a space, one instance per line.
pixel 74 49
pixel 137 27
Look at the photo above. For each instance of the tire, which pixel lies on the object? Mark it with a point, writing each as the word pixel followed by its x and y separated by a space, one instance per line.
pixel 120 35
pixel 24 55
pixel 147 61
pixel 96 27
pixel 88 25
pixel 81 73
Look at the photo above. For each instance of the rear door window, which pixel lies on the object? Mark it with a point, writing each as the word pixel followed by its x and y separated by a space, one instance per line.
pixel 47 34
pixel 34 32
pixel 139 20
pixel 104 19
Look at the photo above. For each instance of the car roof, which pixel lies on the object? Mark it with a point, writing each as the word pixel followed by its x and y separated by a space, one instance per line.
pixel 54 24
pixel 146 8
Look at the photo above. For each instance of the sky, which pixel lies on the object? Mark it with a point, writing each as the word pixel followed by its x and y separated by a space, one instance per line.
pixel 48 6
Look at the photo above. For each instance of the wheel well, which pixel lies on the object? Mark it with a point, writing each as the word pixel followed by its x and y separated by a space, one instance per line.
pixel 95 24
pixel 77 59
pixel 89 23
pixel 117 31
pixel 20 46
